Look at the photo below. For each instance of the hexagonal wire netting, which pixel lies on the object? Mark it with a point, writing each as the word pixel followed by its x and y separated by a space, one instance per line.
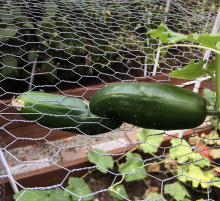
pixel 64 47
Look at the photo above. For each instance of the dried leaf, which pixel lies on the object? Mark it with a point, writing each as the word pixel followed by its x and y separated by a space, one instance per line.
pixel 215 153
pixel 216 172
pixel 154 168
pixel 194 139
pixel 154 189
pixel 171 164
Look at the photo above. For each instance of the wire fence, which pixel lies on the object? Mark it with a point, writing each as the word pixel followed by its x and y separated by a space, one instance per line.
pixel 58 46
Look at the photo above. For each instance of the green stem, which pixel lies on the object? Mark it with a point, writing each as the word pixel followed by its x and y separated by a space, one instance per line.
pixel 125 154
pixel 89 172
pixel 212 113
pixel 217 82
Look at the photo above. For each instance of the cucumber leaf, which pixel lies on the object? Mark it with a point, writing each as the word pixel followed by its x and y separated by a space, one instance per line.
pixel 34 195
pixel 179 152
pixel 210 97
pixel 106 162
pixel 166 35
pixel 78 187
pixel 10 70
pixel 121 192
pixel 57 194
pixel 216 182
pixel 191 71
pixel 153 196
pixel 177 190
pixel 48 67
pixel 130 165
pixel 8 32
pixel 152 139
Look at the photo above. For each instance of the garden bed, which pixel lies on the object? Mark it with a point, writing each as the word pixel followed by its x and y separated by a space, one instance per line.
pixel 54 175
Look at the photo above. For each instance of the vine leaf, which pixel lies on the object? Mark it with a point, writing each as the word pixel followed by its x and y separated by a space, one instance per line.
pixel 216 183
pixel 48 66
pixel 10 69
pixel 152 139
pixel 132 164
pixel 57 194
pixel 106 162
pixel 166 35
pixel 210 96
pixel 122 192
pixel 31 55
pixel 153 196
pixel 177 190
pixel 193 70
pixel 78 187
pixel 51 8
pixel 34 195
pixel 178 152
pixel 8 32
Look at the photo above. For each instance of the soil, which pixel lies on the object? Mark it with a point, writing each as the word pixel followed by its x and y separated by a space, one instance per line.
pixel 138 190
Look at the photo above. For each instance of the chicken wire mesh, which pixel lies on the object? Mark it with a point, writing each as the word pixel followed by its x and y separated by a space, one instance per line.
pixel 55 46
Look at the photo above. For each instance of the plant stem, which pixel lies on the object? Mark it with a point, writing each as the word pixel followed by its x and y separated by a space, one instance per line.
pixel 125 154
pixel 89 172
pixel 212 113
pixel 217 82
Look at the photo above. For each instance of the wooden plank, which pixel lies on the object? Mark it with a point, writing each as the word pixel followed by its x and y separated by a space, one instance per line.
pixel 54 175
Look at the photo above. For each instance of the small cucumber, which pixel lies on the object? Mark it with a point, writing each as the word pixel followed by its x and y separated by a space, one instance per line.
pixel 150 105
pixel 62 112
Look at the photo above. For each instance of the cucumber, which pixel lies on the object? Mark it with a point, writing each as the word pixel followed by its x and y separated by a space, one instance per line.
pixel 76 117
pixel 150 105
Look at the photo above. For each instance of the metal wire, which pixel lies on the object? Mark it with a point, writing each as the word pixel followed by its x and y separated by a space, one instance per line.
pixel 53 45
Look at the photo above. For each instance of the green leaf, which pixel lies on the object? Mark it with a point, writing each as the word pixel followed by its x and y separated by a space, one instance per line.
pixel 8 32
pixel 166 35
pixel 197 156
pixel 210 97
pixel 149 140
pixel 32 55
pixel 207 176
pixel 121 192
pixel 153 196
pixel 200 199
pixel 184 171
pixel 132 164
pixel 7 19
pixel 177 190
pixel 179 152
pixel 28 25
pixel 51 8
pixel 78 187
pixel 10 70
pixel 216 183
pixel 191 71
pixel 48 66
pixel 33 195
pixel 196 173
pixel 57 194
pixel 106 162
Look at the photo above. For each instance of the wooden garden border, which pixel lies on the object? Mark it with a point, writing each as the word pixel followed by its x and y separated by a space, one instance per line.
pixel 54 175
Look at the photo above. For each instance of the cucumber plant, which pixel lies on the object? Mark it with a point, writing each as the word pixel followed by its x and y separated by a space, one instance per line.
pixel 138 168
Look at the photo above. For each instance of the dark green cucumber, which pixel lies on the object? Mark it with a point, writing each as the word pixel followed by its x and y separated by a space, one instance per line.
pixel 150 105
pixel 44 108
